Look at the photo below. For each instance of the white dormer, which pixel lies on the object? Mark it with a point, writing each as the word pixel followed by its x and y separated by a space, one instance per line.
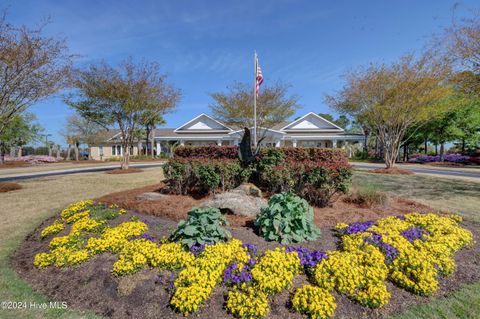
pixel 203 123
pixel 311 122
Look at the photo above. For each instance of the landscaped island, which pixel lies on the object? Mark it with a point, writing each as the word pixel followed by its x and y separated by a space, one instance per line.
pixel 281 262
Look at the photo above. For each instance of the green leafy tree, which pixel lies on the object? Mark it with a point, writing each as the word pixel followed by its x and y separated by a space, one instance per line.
pixel 32 67
pixel 235 107
pixel 390 99
pixel 122 96
pixel 22 129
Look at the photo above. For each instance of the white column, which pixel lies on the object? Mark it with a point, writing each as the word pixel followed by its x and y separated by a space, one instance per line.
pixel 219 142
pixel 277 144
pixel 235 142
pixel 334 143
pixel 182 143
pixel 159 148
pixel 294 142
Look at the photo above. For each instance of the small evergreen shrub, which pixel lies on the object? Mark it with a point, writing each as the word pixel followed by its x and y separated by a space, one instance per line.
pixel 202 226
pixel 206 176
pixel 287 219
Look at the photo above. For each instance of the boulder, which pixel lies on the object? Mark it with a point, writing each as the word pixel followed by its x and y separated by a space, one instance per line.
pixel 151 196
pixel 236 202
pixel 249 189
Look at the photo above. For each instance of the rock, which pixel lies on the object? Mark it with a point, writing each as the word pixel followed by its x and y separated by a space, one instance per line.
pixel 249 189
pixel 152 196
pixel 237 202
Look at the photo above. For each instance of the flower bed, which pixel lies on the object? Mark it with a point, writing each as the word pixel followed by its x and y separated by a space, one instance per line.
pixel 412 251
pixel 452 158
pixel 32 159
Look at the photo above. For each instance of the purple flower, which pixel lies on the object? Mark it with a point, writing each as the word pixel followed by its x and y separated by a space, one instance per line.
pixel 144 236
pixel 356 228
pixel 232 276
pixel 401 217
pixel 197 249
pixel 252 248
pixel 388 250
pixel 308 258
pixel 414 233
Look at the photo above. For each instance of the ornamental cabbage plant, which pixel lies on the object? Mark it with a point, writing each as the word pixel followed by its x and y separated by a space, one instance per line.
pixel 287 219
pixel 203 226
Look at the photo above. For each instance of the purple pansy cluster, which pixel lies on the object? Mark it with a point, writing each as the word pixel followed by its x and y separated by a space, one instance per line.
pixel 388 250
pixel 232 276
pixel 308 258
pixel 197 249
pixel 144 236
pixel 355 228
pixel 454 158
pixel 413 233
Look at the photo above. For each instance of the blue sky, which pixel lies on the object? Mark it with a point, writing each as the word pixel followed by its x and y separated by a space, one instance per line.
pixel 203 46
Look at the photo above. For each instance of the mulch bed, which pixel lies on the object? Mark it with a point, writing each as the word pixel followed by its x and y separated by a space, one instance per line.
pixel 91 286
pixel 175 207
pixel 14 164
pixel 393 170
pixel 8 187
pixel 124 171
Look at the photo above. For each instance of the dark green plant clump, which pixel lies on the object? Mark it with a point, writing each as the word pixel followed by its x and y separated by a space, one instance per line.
pixel 202 226
pixel 287 219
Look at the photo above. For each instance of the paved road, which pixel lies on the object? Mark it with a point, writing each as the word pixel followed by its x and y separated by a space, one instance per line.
pixel 445 171
pixel 472 174
pixel 77 170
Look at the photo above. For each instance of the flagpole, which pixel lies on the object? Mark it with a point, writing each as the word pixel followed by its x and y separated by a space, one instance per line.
pixel 255 99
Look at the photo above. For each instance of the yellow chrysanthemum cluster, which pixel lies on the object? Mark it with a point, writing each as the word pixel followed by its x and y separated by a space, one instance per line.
pixel 196 282
pixel 275 270
pixel 114 239
pixel 75 208
pixel 419 260
pixel 248 302
pixel 55 228
pixel 272 274
pixel 71 250
pixel 138 253
pixel 359 274
pixel 316 302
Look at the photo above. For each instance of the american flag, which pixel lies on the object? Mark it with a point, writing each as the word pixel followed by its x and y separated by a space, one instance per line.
pixel 258 77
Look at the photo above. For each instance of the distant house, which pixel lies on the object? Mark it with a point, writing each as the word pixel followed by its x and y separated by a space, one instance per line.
pixel 310 130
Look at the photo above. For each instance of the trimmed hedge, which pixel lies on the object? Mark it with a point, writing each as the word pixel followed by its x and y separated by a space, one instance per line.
pixel 318 175
pixel 289 153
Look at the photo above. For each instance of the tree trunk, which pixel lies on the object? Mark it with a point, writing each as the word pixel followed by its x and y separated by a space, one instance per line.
pixel 67 157
pixel 19 154
pixel 365 144
pixel 426 146
pixel 140 148
pixel 442 152
pixel 126 157
pixel 152 142
pixel 463 146
pixel 76 152
pixel 436 149
pixel 12 151
pixel 2 154
pixel 376 146
pixel 405 152
pixel 58 152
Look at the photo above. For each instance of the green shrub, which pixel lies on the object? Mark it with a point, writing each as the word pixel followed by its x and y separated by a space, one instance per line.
pixel 202 226
pixel 287 219
pixel 189 175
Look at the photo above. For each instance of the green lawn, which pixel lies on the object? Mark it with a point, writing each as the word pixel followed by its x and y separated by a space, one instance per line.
pixel 459 196
pixel 23 210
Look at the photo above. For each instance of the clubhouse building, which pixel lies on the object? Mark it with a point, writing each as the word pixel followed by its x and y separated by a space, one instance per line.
pixel 310 130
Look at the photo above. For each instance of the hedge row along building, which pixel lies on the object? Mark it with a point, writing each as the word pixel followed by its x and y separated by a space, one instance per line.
pixel 310 130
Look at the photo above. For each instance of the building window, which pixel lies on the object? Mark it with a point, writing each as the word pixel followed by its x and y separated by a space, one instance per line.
pixel 101 150
pixel 114 149
pixel 119 150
